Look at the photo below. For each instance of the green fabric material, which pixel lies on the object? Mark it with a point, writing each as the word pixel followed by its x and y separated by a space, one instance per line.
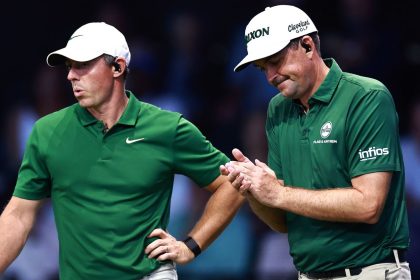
pixel 351 129
pixel 107 194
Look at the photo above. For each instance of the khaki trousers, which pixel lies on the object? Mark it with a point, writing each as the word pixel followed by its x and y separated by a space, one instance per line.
pixel 380 271
pixel 164 272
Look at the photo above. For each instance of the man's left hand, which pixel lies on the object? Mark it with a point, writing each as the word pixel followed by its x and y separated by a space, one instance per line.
pixel 168 248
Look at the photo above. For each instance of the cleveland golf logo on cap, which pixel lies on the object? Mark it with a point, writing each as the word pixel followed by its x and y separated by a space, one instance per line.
pixel 257 34
pixel 299 27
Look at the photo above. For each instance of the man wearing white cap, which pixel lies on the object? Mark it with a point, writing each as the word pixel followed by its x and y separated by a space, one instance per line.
pixel 335 175
pixel 108 163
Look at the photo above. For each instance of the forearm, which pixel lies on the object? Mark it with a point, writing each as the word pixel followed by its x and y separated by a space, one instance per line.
pixel 218 213
pixel 340 204
pixel 16 222
pixel 275 218
pixel 13 236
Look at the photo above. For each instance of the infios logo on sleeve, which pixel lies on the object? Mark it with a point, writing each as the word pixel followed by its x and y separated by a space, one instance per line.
pixel 372 153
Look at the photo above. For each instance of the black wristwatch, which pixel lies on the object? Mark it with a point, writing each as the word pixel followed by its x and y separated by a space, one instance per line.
pixel 193 246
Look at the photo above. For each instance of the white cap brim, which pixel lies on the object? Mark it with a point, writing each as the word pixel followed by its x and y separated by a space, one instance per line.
pixel 256 56
pixel 59 57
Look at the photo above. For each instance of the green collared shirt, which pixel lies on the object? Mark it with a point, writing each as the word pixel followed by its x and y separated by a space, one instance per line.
pixel 351 129
pixel 110 190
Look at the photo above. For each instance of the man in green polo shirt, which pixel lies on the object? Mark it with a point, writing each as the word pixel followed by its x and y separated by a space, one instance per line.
pixel 108 163
pixel 335 175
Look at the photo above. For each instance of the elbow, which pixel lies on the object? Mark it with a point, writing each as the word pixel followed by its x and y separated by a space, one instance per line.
pixel 279 229
pixel 371 220
pixel 372 214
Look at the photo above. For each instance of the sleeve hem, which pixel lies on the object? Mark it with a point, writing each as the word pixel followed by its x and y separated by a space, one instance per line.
pixel 384 168
pixel 29 195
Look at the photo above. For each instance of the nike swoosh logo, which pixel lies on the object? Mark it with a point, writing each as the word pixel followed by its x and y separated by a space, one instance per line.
pixel 131 141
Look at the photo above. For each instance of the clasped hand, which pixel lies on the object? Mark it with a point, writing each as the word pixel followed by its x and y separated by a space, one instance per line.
pixel 257 180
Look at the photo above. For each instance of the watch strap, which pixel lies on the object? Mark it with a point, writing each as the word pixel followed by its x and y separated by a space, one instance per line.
pixel 193 246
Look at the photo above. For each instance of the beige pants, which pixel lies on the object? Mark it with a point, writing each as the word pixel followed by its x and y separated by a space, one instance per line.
pixel 164 272
pixel 380 271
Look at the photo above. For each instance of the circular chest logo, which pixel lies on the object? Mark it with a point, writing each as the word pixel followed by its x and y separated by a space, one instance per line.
pixel 326 129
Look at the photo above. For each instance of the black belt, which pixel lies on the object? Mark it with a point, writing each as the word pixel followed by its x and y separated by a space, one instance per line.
pixel 333 273
pixel 353 271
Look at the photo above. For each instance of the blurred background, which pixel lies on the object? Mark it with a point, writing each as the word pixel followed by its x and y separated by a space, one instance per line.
pixel 183 54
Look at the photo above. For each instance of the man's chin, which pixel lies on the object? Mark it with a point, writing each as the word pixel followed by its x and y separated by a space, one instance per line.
pixel 286 94
pixel 84 104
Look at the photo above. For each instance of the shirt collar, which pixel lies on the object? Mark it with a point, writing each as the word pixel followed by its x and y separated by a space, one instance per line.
pixel 129 116
pixel 327 89
pixel 131 112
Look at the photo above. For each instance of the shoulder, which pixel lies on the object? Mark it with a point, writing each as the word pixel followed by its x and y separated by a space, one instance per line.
pixel 278 101
pixel 162 121
pixel 363 85
pixel 154 112
pixel 45 127
pixel 279 108
pixel 362 92
pixel 55 118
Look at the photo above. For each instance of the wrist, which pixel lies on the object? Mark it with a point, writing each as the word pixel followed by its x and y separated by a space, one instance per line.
pixel 281 195
pixel 192 245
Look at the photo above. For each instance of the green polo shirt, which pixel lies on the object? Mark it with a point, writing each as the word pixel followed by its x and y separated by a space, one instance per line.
pixel 109 191
pixel 351 129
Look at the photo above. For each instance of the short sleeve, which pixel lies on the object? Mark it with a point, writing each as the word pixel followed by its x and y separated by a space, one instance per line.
pixel 33 180
pixel 195 156
pixel 373 136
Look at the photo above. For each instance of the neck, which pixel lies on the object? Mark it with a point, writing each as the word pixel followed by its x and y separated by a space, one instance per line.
pixel 321 71
pixel 110 112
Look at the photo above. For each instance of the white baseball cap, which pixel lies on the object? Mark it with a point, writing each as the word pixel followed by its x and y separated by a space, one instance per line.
pixel 271 30
pixel 91 41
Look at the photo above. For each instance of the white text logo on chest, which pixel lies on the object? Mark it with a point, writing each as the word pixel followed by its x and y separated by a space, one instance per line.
pixel 325 132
